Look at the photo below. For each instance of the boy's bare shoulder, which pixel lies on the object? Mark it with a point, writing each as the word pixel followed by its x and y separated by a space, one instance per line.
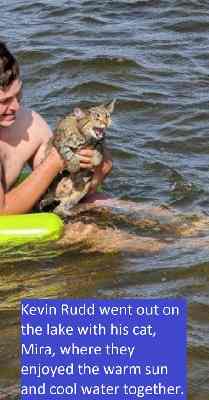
pixel 32 124
pixel 40 125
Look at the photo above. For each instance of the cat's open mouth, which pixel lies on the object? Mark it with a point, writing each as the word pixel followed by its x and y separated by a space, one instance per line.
pixel 99 132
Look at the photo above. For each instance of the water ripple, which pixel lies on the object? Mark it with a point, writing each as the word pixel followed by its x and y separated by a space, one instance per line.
pixel 153 58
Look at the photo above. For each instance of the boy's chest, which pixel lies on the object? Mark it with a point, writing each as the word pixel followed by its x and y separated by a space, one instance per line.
pixel 13 159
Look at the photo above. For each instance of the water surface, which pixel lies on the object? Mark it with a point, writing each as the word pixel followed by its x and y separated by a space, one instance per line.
pixel 153 57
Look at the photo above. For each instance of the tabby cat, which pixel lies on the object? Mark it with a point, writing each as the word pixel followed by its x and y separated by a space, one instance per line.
pixel 79 129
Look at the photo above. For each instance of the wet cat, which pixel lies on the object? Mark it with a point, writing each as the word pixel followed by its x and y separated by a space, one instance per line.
pixel 80 129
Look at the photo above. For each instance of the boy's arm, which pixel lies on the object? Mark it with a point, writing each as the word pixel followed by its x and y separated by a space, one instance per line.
pixel 22 198
pixel 101 171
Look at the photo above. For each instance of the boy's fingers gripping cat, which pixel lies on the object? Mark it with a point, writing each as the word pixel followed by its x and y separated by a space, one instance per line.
pixel 86 158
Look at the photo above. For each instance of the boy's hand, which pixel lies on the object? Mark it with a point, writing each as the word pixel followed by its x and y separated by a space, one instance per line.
pixel 101 172
pixel 86 158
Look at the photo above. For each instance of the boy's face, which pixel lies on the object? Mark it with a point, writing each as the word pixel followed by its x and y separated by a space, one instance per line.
pixel 10 99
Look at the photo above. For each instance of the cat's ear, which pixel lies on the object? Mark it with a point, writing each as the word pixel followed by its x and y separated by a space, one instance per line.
pixel 78 113
pixel 110 107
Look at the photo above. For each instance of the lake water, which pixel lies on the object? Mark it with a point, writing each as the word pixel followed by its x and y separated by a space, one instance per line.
pixel 153 57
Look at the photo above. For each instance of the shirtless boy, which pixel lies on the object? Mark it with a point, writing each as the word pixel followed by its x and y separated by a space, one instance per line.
pixel 23 137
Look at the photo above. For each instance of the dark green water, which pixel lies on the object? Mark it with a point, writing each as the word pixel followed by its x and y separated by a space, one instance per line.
pixel 153 57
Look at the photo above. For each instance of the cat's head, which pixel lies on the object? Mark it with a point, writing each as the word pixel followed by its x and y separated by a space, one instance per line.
pixel 93 121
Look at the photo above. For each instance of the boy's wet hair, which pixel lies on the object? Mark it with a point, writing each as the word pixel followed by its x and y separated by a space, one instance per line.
pixel 9 67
